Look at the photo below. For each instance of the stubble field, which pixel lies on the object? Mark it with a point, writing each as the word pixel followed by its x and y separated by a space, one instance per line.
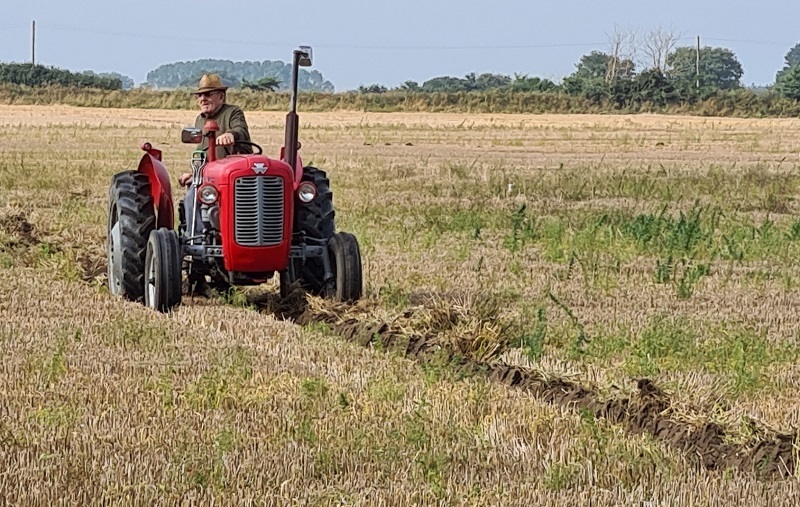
pixel 561 310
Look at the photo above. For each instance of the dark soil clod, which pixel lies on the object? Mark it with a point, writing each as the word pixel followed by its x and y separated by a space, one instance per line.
pixel 18 226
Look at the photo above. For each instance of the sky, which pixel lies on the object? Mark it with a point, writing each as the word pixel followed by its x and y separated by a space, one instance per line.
pixel 357 42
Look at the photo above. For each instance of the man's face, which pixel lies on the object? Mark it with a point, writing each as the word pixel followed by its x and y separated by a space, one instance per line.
pixel 209 101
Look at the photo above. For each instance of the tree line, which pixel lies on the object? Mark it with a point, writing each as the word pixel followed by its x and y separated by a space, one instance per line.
pixel 680 74
pixel 258 76
pixel 38 76
pixel 266 76
pixel 652 71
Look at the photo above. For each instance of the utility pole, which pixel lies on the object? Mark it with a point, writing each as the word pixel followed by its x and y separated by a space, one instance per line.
pixel 33 42
pixel 698 63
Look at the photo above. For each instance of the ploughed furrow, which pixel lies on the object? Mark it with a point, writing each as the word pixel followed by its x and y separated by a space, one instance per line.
pixel 24 243
pixel 649 410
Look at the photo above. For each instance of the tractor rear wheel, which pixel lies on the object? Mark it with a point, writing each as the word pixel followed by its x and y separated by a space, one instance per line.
pixel 346 265
pixel 316 220
pixel 131 218
pixel 163 270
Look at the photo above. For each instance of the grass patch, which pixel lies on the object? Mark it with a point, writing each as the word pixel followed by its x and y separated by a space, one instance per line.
pixel 221 387
pixel 132 333
pixel 667 344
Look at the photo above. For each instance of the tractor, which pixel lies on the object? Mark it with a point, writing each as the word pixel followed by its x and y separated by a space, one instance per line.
pixel 258 216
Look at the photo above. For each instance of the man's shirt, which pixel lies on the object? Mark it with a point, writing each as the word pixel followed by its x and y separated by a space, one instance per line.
pixel 230 119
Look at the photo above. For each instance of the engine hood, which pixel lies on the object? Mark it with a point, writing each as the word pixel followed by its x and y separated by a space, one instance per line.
pixel 219 172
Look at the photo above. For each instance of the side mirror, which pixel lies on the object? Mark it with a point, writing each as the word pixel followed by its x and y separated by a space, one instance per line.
pixel 306 57
pixel 191 135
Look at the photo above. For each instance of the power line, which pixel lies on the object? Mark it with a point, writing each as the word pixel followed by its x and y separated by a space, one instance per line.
pixel 323 46
pixel 161 37
pixel 443 48
pixel 744 41
pixel 741 41
pixel 261 43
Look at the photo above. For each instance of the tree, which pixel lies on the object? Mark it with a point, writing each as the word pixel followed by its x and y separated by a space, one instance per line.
pixel 593 66
pixel 621 56
pixel 656 46
pixel 719 67
pixel 789 84
pixel 594 89
pixel 127 82
pixel 410 86
pixel 373 88
pixel 523 83
pixel 654 87
pixel 443 84
pixel 594 74
pixel 791 59
pixel 268 83
pixel 793 56
pixel 602 66
pixel 469 83
pixel 492 81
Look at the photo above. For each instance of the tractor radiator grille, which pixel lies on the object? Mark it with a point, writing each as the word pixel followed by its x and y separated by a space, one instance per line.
pixel 258 208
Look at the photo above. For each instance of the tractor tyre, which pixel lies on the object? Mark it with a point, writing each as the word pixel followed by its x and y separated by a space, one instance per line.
pixel 346 266
pixel 163 270
pixel 284 284
pixel 316 220
pixel 131 218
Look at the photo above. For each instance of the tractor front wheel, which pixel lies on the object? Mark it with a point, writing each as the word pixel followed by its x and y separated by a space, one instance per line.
pixel 346 266
pixel 131 218
pixel 163 270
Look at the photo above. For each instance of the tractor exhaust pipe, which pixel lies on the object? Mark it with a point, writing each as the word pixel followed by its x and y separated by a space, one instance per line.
pixel 301 58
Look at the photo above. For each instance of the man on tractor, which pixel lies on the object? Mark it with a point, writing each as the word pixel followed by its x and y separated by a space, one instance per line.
pixel 211 95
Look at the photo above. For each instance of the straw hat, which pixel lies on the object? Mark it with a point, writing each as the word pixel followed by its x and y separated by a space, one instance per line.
pixel 210 82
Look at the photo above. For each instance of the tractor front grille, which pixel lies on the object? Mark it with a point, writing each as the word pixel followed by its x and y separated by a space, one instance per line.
pixel 258 210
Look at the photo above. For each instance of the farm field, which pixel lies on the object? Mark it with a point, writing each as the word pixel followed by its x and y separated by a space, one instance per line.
pixel 560 310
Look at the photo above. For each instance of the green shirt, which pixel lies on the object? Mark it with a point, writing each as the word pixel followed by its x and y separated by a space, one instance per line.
pixel 230 119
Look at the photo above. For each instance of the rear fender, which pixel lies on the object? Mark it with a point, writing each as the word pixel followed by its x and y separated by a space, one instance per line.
pixel 160 186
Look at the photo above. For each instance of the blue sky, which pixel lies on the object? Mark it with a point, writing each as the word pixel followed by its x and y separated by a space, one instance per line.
pixel 364 42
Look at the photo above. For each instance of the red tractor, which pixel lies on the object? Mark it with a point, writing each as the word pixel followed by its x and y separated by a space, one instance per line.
pixel 254 216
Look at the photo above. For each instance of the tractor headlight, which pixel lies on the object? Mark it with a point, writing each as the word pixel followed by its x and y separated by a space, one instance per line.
pixel 306 192
pixel 208 194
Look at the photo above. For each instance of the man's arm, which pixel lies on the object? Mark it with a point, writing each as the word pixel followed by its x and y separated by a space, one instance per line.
pixel 239 125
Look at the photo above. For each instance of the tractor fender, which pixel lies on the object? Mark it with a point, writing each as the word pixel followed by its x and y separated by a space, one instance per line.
pixel 160 186
pixel 298 167
pixel 298 172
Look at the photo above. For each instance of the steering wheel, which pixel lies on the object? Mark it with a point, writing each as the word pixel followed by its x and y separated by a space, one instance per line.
pixel 248 143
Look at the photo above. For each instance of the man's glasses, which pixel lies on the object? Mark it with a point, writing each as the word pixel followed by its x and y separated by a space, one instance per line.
pixel 204 94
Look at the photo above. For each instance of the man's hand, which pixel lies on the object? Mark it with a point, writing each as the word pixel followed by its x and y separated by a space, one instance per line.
pixel 226 139
pixel 185 179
